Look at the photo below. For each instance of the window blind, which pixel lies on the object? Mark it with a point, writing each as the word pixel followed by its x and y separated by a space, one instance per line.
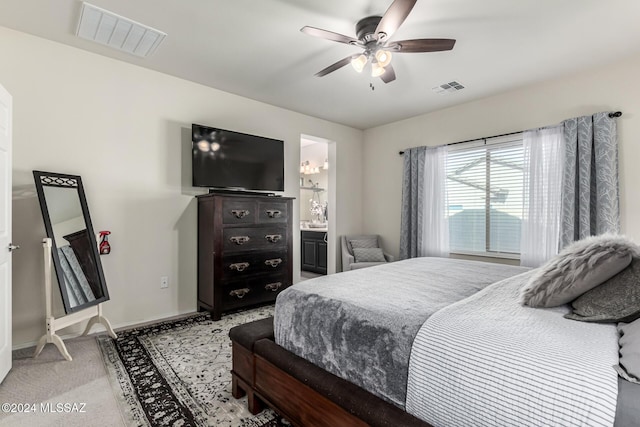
pixel 485 196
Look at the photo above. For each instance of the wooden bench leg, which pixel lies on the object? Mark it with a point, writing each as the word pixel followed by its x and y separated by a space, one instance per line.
pixel 254 403
pixel 236 390
pixel 239 388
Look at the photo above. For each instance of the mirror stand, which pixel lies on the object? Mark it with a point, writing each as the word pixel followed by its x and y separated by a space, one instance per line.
pixel 93 313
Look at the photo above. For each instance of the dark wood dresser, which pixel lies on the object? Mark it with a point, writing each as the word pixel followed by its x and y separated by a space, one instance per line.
pixel 244 250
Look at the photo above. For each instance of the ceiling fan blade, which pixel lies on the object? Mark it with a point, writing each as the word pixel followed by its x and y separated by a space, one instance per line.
pixel 421 45
pixel 389 74
pixel 394 17
pixel 333 67
pixel 329 35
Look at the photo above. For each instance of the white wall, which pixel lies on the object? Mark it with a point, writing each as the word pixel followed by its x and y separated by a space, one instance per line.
pixel 614 87
pixel 127 130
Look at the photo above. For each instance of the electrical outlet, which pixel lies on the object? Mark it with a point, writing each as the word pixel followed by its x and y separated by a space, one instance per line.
pixel 164 282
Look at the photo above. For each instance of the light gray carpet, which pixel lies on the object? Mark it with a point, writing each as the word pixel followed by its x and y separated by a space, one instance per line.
pixel 51 379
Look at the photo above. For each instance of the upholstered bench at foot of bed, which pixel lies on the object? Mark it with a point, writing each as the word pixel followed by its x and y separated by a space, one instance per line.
pixel 243 338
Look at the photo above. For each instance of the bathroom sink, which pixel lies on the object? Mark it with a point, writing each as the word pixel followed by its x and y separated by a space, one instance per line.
pixel 317 225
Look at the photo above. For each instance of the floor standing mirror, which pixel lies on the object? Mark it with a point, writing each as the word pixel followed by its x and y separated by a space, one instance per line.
pixel 72 247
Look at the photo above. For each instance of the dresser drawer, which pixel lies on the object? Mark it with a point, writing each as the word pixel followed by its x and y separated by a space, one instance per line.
pixel 250 263
pixel 254 238
pixel 238 211
pixel 253 291
pixel 272 212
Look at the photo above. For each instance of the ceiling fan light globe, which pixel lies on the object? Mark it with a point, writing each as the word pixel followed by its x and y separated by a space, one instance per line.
pixel 383 57
pixel 359 62
pixel 376 70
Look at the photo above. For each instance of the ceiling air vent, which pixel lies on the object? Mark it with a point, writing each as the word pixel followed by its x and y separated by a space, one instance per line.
pixel 115 31
pixel 453 86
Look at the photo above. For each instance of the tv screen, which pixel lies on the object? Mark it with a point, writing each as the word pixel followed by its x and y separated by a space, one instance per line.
pixel 233 160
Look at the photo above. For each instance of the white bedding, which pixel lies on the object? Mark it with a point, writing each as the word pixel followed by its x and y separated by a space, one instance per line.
pixel 488 361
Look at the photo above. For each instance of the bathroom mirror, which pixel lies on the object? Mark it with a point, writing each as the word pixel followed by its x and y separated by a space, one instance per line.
pixel 74 248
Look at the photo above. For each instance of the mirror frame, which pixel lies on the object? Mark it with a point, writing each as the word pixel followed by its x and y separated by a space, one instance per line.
pixel 52 179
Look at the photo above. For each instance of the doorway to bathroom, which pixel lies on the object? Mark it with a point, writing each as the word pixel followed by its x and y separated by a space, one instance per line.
pixel 314 205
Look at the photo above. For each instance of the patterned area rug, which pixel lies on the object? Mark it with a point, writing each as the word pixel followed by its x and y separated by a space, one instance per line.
pixel 178 373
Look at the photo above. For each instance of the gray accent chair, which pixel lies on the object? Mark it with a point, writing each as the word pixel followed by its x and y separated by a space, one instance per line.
pixel 349 261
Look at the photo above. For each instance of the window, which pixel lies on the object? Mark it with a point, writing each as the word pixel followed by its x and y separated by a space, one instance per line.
pixel 485 196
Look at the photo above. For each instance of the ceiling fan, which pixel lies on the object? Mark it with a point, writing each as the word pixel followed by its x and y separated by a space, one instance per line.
pixel 373 35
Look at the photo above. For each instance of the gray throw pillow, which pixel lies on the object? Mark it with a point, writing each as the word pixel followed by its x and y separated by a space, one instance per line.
pixel 616 300
pixel 370 242
pixel 578 268
pixel 368 255
pixel 629 367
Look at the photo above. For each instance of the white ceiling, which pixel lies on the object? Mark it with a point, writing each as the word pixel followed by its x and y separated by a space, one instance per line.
pixel 254 48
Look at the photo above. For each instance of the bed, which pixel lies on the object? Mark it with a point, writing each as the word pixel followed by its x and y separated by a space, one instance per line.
pixel 445 341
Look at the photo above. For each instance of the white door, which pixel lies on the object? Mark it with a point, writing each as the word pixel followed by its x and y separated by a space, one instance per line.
pixel 5 232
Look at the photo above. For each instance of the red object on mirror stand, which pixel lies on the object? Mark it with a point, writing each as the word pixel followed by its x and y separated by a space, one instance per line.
pixel 104 247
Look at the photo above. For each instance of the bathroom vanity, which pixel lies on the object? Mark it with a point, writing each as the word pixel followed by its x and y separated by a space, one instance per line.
pixel 314 250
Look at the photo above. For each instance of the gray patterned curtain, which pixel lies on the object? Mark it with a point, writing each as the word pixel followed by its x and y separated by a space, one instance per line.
pixel 590 199
pixel 412 202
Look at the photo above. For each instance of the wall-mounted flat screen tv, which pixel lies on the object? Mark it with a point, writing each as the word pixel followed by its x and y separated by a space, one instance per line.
pixel 226 159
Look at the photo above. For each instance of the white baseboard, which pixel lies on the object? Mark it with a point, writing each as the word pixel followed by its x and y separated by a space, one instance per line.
pixel 138 323
pixel 98 328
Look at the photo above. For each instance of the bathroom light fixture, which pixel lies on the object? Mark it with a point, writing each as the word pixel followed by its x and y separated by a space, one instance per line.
pixel 306 168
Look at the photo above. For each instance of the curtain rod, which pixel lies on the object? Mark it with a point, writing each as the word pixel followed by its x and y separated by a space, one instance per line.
pixel 611 115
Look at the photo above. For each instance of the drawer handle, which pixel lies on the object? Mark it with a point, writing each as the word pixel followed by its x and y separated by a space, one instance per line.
pixel 239 266
pixel 272 213
pixel 273 262
pixel 273 286
pixel 240 213
pixel 239 293
pixel 273 238
pixel 239 240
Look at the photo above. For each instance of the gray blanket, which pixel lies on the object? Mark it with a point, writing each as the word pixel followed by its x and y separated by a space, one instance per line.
pixel 360 325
